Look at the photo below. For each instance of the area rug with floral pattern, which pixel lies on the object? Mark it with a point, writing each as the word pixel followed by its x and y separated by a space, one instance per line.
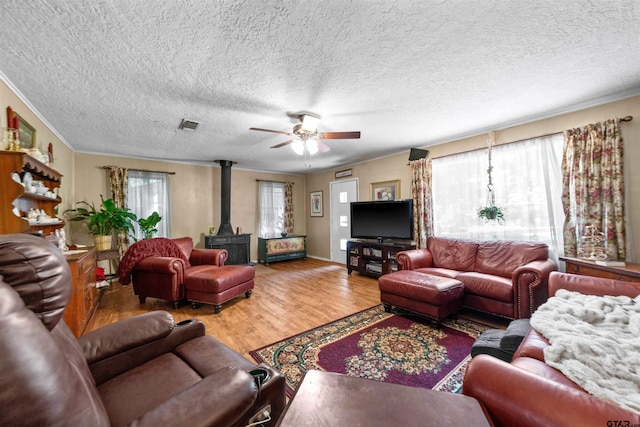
pixel 374 344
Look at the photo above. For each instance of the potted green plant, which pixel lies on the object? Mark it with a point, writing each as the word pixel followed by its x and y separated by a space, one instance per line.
pixel 103 221
pixel 148 225
pixel 491 213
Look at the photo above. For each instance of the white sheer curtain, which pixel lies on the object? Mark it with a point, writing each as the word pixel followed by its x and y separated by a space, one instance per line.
pixel 527 184
pixel 149 192
pixel 271 203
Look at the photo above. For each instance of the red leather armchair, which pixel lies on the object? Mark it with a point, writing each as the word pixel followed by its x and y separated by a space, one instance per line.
pixel 529 393
pixel 144 370
pixel 160 266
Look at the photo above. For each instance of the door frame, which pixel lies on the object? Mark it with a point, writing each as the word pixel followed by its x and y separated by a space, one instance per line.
pixel 331 219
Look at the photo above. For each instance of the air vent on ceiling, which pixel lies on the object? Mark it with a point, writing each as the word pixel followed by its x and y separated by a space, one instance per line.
pixel 188 124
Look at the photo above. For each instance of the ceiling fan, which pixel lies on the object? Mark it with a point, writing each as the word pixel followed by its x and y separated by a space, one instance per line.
pixel 308 138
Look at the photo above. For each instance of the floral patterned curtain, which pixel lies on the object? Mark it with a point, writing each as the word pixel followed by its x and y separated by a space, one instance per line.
pixel 118 179
pixel 288 207
pixel 422 207
pixel 593 187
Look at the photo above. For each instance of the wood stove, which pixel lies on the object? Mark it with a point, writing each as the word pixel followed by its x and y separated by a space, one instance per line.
pixel 238 245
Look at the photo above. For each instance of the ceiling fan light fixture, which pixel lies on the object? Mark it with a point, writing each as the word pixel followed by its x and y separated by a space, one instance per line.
pixel 312 146
pixel 298 147
pixel 309 123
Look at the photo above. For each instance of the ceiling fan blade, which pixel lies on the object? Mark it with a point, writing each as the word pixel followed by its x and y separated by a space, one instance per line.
pixel 339 135
pixel 322 147
pixel 272 131
pixel 282 144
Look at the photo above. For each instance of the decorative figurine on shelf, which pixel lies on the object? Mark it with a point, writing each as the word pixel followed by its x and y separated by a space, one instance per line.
pixel 591 244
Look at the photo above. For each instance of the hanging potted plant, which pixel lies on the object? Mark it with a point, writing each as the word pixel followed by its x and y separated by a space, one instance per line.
pixel 103 221
pixel 148 225
pixel 491 212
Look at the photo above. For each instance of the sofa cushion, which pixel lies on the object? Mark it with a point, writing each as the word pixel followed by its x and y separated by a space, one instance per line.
pixel 494 287
pixel 186 246
pixel 435 271
pixel 452 254
pixel 136 392
pixel 503 258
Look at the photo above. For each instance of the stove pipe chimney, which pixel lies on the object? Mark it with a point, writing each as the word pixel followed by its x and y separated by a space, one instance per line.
pixel 225 228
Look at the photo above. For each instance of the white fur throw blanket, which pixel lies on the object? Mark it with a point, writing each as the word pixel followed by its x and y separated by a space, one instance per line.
pixel 595 342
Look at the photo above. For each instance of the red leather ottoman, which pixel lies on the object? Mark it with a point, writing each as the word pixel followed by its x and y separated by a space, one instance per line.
pixel 218 285
pixel 432 296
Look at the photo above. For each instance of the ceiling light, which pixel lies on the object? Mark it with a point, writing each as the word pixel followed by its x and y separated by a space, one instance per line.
pixel 310 123
pixel 188 124
pixel 312 146
pixel 298 147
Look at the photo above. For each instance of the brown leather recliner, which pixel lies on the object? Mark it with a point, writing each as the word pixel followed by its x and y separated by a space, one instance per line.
pixel 159 267
pixel 144 370
pixel 529 393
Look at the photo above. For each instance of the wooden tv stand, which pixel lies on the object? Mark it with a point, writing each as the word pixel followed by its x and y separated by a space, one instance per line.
pixel 374 259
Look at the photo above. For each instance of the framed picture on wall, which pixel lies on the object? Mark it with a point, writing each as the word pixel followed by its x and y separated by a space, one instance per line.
pixel 387 190
pixel 27 133
pixel 316 203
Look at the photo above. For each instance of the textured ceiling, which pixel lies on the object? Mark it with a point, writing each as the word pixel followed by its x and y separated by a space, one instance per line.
pixel 117 76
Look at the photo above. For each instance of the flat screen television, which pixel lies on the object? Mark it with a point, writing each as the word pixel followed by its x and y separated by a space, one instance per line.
pixel 382 220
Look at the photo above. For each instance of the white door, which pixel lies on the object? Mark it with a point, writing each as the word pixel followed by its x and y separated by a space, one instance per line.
pixel 342 194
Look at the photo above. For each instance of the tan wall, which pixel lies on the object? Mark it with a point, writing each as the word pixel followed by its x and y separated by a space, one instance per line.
pixel 63 156
pixel 195 195
pixel 395 167
pixel 194 210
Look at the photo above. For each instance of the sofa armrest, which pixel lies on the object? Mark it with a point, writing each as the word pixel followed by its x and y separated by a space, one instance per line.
pixel 123 345
pixel 222 399
pixel 414 258
pixel 208 257
pixel 531 286
pixel 160 265
pixel 515 397
pixel 126 334
pixel 591 285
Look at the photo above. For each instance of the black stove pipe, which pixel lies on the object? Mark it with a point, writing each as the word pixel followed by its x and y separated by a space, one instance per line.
pixel 225 228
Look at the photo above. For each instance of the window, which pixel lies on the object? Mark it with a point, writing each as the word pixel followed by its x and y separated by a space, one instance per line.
pixel 148 192
pixel 527 184
pixel 271 203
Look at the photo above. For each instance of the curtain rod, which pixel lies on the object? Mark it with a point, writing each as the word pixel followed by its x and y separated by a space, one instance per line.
pixel 140 170
pixel 277 182
pixel 623 119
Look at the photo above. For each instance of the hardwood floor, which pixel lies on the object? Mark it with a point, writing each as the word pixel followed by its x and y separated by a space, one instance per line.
pixel 289 297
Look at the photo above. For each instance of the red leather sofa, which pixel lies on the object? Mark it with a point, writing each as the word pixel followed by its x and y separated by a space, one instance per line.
pixel 144 370
pixel 529 393
pixel 504 278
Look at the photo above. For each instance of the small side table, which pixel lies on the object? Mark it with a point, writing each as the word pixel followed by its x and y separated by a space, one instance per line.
pixel 329 399
pixel 109 254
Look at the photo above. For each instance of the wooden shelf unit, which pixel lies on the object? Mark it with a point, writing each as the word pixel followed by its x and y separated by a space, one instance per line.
pixel 12 194
pixel 372 258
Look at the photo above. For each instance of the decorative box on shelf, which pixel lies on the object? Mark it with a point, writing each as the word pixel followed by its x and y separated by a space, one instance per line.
pixel 272 249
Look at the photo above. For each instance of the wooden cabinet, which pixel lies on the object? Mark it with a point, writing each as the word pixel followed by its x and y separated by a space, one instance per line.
pixel 84 296
pixel 272 249
pixel 374 259
pixel 15 203
pixel 630 272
